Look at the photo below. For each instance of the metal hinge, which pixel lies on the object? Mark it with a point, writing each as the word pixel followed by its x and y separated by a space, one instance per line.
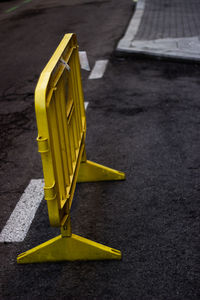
pixel 43 145
pixel 50 192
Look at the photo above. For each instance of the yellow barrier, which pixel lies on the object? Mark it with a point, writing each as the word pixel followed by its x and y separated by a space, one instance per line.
pixel 61 123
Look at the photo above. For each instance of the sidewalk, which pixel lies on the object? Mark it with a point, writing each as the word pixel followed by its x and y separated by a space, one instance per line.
pixel 165 28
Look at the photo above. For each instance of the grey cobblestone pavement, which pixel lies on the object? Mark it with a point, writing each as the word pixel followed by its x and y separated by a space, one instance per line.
pixel 164 28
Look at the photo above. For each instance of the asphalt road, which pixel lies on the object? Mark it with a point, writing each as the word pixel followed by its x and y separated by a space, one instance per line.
pixel 143 119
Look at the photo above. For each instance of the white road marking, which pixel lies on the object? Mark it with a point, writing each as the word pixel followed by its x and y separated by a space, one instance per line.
pixel 86 105
pixel 84 60
pixel 22 216
pixel 99 69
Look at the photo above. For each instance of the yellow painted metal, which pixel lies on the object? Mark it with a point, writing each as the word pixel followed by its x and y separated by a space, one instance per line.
pixel 61 126
pixel 61 123
pixel 68 248
pixel 90 171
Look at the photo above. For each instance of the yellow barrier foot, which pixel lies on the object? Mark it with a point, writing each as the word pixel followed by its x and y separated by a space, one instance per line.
pixel 90 171
pixel 68 249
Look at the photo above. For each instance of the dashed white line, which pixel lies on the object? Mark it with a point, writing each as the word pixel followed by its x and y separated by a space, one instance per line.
pixel 99 69
pixel 22 216
pixel 86 105
pixel 84 60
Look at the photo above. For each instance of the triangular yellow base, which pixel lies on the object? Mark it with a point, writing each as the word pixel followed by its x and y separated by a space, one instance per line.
pixel 91 172
pixel 68 249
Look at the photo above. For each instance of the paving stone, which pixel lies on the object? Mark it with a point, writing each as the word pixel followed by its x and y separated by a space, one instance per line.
pixel 165 29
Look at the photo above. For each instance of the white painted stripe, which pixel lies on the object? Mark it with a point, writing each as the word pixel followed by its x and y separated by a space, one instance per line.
pixel 84 60
pixel 21 218
pixel 99 69
pixel 86 105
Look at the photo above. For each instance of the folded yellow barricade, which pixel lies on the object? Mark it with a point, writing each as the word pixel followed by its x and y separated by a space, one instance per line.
pixel 61 123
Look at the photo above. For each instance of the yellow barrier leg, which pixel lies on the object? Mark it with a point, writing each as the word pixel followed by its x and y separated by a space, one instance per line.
pixel 90 171
pixel 68 249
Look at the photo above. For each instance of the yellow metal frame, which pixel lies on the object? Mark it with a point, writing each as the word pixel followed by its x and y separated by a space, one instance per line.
pixel 61 123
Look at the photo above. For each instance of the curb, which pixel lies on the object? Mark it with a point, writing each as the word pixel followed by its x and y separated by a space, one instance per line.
pixel 125 42
pixel 180 49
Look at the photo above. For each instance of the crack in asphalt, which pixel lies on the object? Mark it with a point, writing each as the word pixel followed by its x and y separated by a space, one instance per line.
pixel 163 106
pixel 14 96
pixel 13 124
